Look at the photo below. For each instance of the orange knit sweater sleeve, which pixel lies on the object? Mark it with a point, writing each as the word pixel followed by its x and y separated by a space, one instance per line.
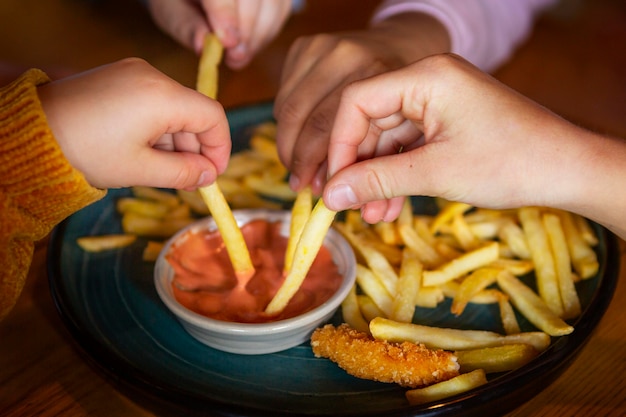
pixel 38 186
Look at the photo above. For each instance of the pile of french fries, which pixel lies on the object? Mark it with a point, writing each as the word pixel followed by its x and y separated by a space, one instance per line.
pixel 469 255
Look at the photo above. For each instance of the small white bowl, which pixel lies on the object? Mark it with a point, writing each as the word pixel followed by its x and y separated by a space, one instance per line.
pixel 256 338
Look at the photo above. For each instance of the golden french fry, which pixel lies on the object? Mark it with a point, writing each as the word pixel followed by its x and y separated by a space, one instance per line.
pixel 585 230
pixel 409 283
pixel 392 253
pixel 105 242
pixel 279 190
pixel 533 307
pixel 387 232
pixel 300 213
pixel 563 266
pixel 230 231
pixel 513 236
pixel 244 163
pixel 368 308
pixel 517 267
pixel 475 282
pixel 152 250
pixel 263 144
pixel 310 242
pixel 451 339
pixel 374 288
pixel 545 271
pixel 487 296
pixel 462 232
pixel 147 208
pixel 133 223
pixel 462 265
pixel 453 386
pixel 351 312
pixel 583 257
pixel 155 194
pixel 446 214
pixel 210 59
pixel 426 253
pixel 429 297
pixel 376 261
pixel 496 359
pixel 507 315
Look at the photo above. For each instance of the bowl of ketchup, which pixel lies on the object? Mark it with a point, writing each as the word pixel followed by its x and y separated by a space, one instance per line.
pixel 195 280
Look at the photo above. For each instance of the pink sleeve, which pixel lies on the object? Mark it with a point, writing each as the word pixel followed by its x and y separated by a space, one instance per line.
pixel 485 32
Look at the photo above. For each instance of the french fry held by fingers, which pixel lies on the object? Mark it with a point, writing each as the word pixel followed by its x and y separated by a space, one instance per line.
pixel 308 246
pixel 300 213
pixel 212 195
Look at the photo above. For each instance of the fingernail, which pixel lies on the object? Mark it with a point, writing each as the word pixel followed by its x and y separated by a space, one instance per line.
pixel 294 182
pixel 203 178
pixel 341 197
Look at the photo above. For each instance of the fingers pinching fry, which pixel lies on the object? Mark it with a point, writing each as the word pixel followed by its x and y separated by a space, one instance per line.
pixel 306 250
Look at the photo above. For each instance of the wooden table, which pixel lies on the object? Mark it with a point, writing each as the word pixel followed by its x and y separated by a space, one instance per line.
pixel 574 63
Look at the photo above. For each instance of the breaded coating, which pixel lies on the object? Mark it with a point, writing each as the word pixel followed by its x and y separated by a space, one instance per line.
pixel 407 364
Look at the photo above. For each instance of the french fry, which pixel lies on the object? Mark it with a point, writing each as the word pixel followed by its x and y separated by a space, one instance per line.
pixel 563 265
pixel 274 189
pixel 446 214
pixel 152 250
pixel 462 232
pixel 583 257
pixel 133 223
pixel 210 59
pixel 155 194
pixel 532 306
pixel 212 195
pixel 513 236
pixel 545 271
pixel 507 316
pixel 487 296
pixel 409 283
pixel 477 281
pixel 451 339
pixel 462 265
pixel 453 386
pixel 299 215
pixel 147 208
pixel 387 232
pixel 245 163
pixel 429 297
pixel 368 308
pixel 376 261
pixel 351 312
pixel 426 253
pixel 105 242
pixel 496 359
pixel 371 285
pixel 310 242
pixel 585 230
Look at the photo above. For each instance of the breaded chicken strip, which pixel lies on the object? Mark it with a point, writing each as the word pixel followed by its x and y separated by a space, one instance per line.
pixel 407 364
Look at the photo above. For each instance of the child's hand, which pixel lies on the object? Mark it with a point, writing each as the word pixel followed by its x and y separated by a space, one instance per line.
pixel 243 26
pixel 128 124
pixel 441 127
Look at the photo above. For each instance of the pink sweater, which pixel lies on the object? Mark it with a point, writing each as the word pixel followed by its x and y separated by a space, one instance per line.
pixel 485 32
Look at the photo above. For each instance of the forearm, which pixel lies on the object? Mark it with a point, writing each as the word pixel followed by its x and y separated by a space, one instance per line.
pixel 485 32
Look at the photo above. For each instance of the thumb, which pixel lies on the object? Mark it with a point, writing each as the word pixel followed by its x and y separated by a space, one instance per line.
pixel 381 178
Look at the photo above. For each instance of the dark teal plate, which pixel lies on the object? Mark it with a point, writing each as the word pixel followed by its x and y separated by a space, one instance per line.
pixel 109 304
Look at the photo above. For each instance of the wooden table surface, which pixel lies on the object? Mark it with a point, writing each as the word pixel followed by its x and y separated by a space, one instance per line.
pixel 575 64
